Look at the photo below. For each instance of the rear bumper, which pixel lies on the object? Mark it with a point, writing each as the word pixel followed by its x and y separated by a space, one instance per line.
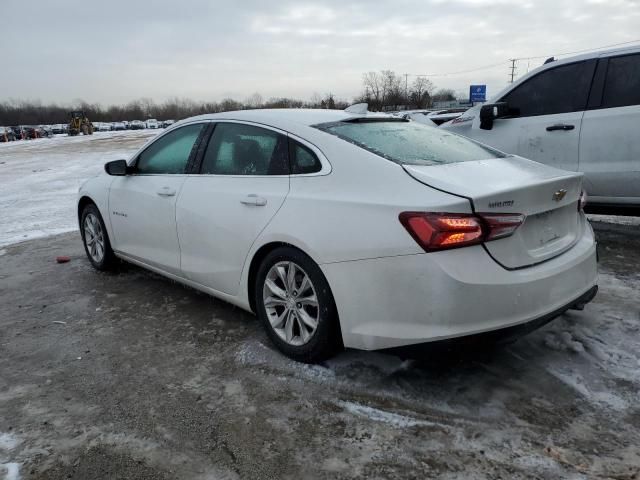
pixel 503 335
pixel 397 301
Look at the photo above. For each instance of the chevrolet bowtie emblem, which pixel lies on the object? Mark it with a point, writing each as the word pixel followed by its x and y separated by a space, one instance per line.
pixel 559 195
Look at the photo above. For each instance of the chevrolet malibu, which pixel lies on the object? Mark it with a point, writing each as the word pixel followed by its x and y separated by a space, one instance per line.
pixel 347 228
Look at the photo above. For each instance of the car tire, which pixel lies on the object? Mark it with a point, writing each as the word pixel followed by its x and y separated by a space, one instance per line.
pixel 288 317
pixel 96 240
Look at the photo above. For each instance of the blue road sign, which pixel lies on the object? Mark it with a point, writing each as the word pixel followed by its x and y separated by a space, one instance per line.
pixel 478 93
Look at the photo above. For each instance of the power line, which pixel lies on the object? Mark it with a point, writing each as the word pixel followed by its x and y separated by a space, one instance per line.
pixel 455 73
pixel 511 61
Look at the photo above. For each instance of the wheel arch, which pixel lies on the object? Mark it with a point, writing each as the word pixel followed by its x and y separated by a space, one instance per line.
pixel 256 260
pixel 260 254
pixel 82 203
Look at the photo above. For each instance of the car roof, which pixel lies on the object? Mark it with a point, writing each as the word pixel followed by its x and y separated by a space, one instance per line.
pixel 288 119
pixel 566 60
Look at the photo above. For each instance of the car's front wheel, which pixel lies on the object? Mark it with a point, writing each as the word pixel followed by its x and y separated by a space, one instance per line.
pixel 95 239
pixel 294 302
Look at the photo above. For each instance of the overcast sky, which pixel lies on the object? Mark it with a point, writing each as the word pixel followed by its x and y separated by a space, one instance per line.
pixel 113 51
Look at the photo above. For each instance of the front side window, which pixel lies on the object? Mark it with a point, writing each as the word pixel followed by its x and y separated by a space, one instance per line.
pixel 622 85
pixel 239 149
pixel 170 153
pixel 557 90
pixel 410 143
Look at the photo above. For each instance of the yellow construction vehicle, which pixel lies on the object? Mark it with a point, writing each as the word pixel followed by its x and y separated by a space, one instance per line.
pixel 80 124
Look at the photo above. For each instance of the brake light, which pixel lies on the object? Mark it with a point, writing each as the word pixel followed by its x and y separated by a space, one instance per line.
pixel 500 225
pixel 441 231
pixel 583 201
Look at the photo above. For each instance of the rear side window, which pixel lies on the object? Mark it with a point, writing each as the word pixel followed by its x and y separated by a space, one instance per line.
pixel 303 160
pixel 622 84
pixel 238 149
pixel 558 90
pixel 410 143
pixel 170 153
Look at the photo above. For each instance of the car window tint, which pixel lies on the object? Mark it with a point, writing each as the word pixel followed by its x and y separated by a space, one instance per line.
pixel 410 142
pixel 170 153
pixel 238 149
pixel 558 90
pixel 303 160
pixel 622 84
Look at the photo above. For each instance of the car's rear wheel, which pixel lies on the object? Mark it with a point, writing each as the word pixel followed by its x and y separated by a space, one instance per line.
pixel 95 239
pixel 294 302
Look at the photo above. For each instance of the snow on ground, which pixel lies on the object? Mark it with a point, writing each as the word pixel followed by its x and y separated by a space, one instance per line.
pixel 632 221
pixel 39 179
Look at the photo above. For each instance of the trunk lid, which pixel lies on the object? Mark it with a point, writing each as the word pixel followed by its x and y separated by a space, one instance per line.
pixel 547 196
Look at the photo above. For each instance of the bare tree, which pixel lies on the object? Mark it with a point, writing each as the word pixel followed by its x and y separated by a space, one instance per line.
pixel 421 91
pixel 254 101
pixel 373 84
pixel 444 95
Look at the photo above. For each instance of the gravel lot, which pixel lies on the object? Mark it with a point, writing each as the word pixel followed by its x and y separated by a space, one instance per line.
pixel 131 376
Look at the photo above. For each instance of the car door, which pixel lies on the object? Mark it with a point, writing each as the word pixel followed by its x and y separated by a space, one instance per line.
pixel 610 144
pixel 545 116
pixel 243 181
pixel 142 205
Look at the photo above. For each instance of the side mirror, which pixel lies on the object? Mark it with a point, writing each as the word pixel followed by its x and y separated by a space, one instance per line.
pixel 117 168
pixel 491 111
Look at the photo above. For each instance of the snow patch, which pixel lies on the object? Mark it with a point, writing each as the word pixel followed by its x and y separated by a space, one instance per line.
pixel 377 415
pixel 580 385
pixel 11 471
pixel 257 354
pixel 39 180
pixel 618 220
pixel 8 441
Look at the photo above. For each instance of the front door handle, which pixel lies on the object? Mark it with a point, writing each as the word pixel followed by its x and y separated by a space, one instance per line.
pixel 254 200
pixel 560 126
pixel 166 192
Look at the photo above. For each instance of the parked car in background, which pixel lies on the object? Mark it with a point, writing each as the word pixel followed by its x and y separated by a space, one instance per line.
pixel 126 124
pixel 59 128
pixel 345 228
pixel 118 126
pixel 44 131
pixel 167 123
pixel 435 117
pixel 30 132
pixel 101 127
pixel 580 113
pixel 406 114
pixel 136 125
pixel 18 132
pixel 152 123
pixel 7 134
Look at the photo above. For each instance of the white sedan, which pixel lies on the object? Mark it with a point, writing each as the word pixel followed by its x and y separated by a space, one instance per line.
pixel 347 228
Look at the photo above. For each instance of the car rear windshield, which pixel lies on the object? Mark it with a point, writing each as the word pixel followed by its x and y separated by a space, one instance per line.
pixel 410 143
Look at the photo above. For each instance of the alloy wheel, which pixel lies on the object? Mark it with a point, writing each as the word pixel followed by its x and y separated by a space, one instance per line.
pixel 291 303
pixel 94 237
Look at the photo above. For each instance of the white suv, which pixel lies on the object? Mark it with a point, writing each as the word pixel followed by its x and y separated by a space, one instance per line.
pixel 580 113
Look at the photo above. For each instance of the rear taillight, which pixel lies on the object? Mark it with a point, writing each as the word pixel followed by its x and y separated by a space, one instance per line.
pixel 441 231
pixel 583 201
pixel 500 225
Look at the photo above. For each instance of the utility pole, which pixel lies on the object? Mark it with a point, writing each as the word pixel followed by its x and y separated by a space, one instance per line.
pixel 513 68
pixel 406 88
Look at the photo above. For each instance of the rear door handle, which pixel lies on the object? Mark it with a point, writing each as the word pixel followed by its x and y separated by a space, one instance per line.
pixel 254 200
pixel 560 126
pixel 166 192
